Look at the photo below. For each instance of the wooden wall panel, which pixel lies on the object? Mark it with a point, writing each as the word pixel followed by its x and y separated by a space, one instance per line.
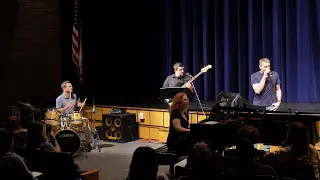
pixel 97 115
pixel 144 132
pixel 156 118
pixel 154 125
pixel 163 135
pixel 166 119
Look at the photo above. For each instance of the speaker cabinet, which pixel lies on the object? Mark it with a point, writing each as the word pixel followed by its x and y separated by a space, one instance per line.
pixel 120 127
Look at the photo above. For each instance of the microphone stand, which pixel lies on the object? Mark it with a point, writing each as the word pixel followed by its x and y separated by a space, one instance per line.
pixel 195 91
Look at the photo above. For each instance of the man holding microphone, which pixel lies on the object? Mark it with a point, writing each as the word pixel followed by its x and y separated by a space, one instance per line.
pixel 266 85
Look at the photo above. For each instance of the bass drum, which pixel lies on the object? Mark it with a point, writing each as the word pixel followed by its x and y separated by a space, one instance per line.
pixel 69 141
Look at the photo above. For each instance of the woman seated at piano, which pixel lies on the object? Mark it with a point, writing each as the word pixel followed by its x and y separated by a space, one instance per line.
pixel 178 140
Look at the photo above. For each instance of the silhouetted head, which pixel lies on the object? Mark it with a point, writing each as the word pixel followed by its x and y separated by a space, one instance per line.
pixel 6 141
pixel 200 161
pixel 35 135
pixel 200 152
pixel 245 150
pixel 249 132
pixel 298 136
pixel 144 165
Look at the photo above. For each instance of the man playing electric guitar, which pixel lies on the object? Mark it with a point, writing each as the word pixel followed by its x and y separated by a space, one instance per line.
pixel 179 79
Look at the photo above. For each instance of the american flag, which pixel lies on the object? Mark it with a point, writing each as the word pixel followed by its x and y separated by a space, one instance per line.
pixel 77 55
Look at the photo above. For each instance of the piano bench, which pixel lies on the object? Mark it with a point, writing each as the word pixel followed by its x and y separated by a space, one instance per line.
pixel 166 157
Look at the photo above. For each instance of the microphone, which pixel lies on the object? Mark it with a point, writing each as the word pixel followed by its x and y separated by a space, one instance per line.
pixel 189 75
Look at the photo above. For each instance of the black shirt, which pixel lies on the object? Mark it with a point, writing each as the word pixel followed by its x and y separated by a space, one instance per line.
pixel 178 141
pixel 174 81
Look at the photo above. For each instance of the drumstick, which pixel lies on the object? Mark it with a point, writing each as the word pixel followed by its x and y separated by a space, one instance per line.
pixel 83 104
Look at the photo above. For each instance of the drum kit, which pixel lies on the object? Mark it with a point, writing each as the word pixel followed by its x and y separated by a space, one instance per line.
pixel 73 132
pixel 14 121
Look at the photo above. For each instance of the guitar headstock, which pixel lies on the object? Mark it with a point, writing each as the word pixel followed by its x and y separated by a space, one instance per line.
pixel 206 68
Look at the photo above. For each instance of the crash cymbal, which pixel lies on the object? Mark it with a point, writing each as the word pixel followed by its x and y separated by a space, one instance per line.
pixel 26 104
pixel 29 106
pixel 91 110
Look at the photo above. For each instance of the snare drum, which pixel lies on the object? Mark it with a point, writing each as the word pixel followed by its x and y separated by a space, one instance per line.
pixel 68 140
pixel 75 118
pixel 52 117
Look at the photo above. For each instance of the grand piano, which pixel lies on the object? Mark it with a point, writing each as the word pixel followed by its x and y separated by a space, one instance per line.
pixel 219 130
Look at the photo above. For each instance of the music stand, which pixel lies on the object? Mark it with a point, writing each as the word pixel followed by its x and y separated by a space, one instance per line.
pixel 170 92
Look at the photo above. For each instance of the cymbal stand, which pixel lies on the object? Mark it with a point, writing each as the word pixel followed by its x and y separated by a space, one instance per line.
pixel 18 114
pixel 32 115
pixel 96 139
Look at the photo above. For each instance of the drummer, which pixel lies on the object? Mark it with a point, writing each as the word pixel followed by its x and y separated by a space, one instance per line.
pixel 67 101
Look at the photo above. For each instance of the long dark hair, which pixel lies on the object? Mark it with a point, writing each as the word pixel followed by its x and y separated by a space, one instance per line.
pixel 35 135
pixel 298 136
pixel 144 165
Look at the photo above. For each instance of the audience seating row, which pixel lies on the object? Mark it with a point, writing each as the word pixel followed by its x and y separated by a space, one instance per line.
pixel 166 157
pixel 285 171
pixel 53 165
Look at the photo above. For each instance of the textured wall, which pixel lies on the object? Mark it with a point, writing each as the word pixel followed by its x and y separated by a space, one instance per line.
pixel 30 51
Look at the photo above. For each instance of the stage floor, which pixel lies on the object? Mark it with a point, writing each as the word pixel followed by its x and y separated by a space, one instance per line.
pixel 207 106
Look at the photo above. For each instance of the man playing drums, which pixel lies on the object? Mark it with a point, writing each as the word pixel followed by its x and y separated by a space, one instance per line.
pixel 67 101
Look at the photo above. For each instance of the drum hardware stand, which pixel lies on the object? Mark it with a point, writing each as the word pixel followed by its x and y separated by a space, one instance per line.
pixel 83 146
pixel 16 112
pixel 32 115
pixel 94 132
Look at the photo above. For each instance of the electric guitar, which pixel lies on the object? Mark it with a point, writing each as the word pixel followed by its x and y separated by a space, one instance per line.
pixel 203 70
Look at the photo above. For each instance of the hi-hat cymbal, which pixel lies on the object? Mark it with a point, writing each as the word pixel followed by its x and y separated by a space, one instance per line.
pixel 91 110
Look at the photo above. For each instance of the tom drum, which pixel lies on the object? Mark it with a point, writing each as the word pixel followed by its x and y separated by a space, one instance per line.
pixel 76 118
pixel 52 117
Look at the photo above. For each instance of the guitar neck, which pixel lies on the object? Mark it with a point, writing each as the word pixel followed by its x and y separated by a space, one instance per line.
pixel 193 78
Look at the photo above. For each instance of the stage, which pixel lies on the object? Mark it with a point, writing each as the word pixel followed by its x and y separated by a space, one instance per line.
pixel 207 106
pixel 153 117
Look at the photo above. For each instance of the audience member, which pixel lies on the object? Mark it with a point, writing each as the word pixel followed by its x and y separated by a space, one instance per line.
pixel 144 165
pixel 200 162
pixel 36 139
pixel 245 153
pixel 298 149
pixel 251 133
pixel 12 165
